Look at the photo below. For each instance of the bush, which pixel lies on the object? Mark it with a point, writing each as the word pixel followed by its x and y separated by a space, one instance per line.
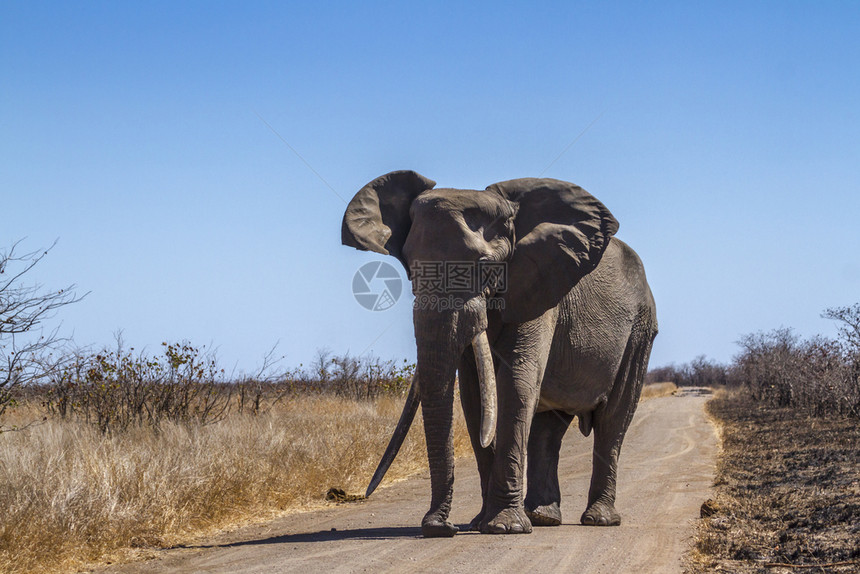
pixel 768 366
pixel 354 377
pixel 700 372
pixel 115 390
pixel 818 375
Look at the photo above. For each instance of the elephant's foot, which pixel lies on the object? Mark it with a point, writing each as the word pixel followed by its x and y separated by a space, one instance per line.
pixel 547 515
pixel 475 524
pixel 435 527
pixel 600 514
pixel 507 521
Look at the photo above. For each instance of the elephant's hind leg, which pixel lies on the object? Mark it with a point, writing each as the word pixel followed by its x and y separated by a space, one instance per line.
pixel 543 498
pixel 610 425
pixel 608 435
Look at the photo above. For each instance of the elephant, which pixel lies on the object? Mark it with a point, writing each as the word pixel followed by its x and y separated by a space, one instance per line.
pixel 565 330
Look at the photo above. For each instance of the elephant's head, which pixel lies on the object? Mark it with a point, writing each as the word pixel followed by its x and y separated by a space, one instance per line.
pixel 544 233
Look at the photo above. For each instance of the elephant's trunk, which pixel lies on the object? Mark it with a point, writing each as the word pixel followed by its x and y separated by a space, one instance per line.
pixel 487 384
pixel 436 370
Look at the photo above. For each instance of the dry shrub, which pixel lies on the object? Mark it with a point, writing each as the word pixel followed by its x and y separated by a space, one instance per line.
pixel 346 375
pixel 115 390
pixel 26 346
pixel 71 494
pixel 818 376
pixel 700 372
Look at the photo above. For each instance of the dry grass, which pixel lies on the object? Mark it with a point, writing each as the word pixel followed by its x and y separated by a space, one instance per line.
pixel 787 492
pixel 72 496
pixel 655 390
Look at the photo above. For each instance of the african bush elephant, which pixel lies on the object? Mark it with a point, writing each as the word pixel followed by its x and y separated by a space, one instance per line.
pixel 566 330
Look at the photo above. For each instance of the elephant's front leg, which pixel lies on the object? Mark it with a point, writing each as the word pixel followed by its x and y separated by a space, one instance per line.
pixel 522 352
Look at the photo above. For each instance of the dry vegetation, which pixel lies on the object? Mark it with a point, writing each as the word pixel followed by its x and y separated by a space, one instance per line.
pixel 656 390
pixel 787 492
pixel 116 451
pixel 72 494
pixel 788 476
pixel 818 376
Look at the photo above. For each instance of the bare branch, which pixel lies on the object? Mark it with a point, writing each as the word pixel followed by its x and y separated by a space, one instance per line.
pixel 849 317
pixel 26 351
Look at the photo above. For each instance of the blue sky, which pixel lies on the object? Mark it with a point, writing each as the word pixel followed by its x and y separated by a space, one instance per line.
pixel 724 136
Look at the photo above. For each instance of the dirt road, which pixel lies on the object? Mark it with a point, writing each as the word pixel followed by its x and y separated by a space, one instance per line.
pixel 665 473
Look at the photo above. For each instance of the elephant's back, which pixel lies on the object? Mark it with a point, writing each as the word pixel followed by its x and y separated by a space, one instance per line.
pixel 595 321
pixel 622 266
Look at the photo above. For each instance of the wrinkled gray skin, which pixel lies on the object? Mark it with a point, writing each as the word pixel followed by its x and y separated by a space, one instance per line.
pixel 573 337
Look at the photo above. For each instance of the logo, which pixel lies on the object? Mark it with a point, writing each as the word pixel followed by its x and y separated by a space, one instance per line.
pixel 377 286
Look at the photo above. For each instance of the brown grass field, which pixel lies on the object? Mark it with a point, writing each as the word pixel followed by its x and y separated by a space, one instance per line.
pixel 74 497
pixel 787 492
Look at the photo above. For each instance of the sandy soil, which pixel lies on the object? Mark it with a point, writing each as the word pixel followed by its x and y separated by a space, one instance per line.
pixel 666 471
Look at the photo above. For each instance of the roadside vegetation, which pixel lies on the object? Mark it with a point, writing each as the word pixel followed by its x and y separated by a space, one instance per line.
pixel 28 352
pixel 787 489
pixel 657 390
pixel 130 452
pixel 787 492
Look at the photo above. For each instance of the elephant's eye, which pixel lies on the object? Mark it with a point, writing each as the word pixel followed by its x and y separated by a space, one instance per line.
pixel 506 229
pixel 473 221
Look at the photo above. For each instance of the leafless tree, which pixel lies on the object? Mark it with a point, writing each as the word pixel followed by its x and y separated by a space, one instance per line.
pixel 260 391
pixel 849 339
pixel 26 348
pixel 849 319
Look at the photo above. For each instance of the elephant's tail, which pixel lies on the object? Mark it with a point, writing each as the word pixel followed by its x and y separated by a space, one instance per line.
pixel 634 364
pixel 397 438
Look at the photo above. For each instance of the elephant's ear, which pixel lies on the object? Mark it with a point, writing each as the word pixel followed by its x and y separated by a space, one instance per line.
pixel 377 219
pixel 562 232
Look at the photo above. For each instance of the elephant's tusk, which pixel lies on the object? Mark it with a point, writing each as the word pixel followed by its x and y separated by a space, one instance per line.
pixel 487 385
pixel 397 438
